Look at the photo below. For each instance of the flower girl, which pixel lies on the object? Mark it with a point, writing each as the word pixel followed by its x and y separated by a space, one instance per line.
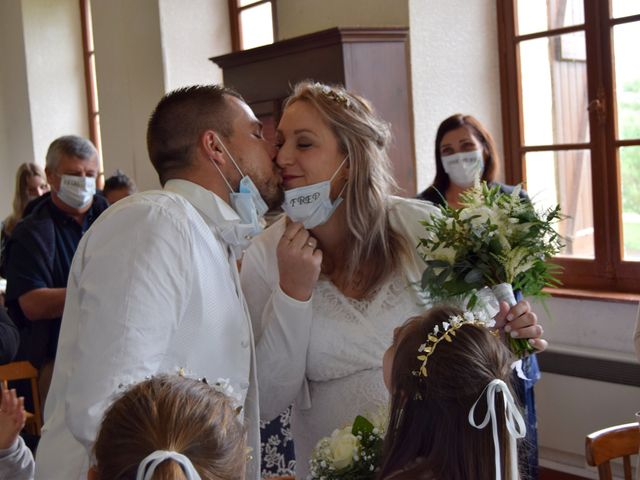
pixel 171 427
pixel 452 415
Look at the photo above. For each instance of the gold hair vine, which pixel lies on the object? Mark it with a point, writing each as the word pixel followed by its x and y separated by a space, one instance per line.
pixel 330 93
pixel 447 331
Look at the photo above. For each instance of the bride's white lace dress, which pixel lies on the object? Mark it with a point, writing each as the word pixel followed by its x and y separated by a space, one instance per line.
pixel 325 355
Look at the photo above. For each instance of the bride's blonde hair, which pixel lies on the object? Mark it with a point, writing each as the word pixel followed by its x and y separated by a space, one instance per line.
pixel 376 249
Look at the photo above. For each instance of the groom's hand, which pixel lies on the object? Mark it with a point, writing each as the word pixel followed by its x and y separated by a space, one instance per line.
pixel 520 322
pixel 299 262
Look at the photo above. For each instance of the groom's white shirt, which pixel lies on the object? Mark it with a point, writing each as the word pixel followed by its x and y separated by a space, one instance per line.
pixel 153 288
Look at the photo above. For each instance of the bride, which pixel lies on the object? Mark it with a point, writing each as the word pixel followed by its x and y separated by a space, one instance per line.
pixel 327 284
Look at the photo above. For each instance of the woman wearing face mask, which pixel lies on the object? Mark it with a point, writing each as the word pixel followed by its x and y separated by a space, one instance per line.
pixel 465 152
pixel 31 183
pixel 327 284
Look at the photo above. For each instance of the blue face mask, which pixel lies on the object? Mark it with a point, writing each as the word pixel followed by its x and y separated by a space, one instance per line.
pixel 247 201
pixel 312 204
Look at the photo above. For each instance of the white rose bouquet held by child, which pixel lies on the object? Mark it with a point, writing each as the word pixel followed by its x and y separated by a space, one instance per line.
pixel 350 453
pixel 495 240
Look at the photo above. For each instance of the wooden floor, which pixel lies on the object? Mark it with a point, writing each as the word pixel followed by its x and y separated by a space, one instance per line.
pixel 546 474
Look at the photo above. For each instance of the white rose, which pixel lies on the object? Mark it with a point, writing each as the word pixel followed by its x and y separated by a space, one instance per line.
pixel 482 214
pixel 343 445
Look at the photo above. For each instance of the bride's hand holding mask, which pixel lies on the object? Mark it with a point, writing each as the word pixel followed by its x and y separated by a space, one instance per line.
pixel 299 261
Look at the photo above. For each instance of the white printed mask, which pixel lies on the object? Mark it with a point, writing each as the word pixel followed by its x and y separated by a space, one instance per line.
pixel 75 191
pixel 312 204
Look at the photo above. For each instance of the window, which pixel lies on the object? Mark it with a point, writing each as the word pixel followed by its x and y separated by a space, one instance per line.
pixel 571 114
pixel 253 23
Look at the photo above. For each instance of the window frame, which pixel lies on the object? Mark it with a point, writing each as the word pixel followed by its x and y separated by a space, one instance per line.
pixel 608 271
pixel 91 85
pixel 236 25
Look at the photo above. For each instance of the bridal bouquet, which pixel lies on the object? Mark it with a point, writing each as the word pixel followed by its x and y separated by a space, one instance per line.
pixel 351 453
pixel 496 240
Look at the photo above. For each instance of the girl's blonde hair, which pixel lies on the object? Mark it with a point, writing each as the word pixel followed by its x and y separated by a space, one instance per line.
pixel 365 138
pixel 177 414
pixel 25 172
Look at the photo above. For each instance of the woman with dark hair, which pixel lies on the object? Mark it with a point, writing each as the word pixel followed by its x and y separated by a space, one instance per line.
pixel 465 151
pixel 452 410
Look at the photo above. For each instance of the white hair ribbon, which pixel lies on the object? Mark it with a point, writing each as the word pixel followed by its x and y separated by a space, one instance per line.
pixel 150 462
pixel 513 417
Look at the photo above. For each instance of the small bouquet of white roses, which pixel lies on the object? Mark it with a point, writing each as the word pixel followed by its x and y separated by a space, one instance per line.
pixel 350 453
pixel 495 240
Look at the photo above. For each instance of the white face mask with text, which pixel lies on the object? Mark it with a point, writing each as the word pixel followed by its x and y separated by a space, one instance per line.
pixel 75 191
pixel 312 204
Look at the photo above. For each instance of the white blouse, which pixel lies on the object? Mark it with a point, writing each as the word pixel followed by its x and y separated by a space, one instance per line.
pixel 326 353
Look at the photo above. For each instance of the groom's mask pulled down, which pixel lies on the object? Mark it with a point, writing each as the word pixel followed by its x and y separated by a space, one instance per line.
pixel 247 201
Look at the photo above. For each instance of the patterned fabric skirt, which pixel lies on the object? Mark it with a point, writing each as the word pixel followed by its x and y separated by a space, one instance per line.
pixel 278 457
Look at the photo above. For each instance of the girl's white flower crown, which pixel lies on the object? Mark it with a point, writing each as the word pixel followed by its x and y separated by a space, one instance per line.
pixel 221 385
pixel 446 331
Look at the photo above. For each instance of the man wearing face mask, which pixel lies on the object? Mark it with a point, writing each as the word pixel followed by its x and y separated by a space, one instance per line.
pixel 42 247
pixel 154 287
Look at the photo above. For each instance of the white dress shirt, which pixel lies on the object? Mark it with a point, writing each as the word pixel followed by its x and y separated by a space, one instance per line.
pixel 153 288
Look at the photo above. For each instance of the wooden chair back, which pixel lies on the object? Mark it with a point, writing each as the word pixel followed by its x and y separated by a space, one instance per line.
pixel 614 442
pixel 25 371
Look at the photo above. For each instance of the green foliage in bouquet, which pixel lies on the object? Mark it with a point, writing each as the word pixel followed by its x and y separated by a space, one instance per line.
pixel 352 453
pixel 494 238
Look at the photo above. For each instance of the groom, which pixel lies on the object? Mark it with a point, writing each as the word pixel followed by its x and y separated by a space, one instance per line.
pixel 154 284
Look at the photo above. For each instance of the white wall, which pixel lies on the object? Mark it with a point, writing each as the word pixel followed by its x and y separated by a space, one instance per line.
pixel 41 83
pixel 454 69
pixel 130 78
pixel 143 50
pixel 299 17
pixel 55 70
pixel 568 407
pixel 188 42
pixel 15 122
pixel 590 327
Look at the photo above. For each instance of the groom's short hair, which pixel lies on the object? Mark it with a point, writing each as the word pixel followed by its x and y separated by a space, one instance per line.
pixel 178 121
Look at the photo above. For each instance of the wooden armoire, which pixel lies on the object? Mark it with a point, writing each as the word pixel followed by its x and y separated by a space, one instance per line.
pixel 372 62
